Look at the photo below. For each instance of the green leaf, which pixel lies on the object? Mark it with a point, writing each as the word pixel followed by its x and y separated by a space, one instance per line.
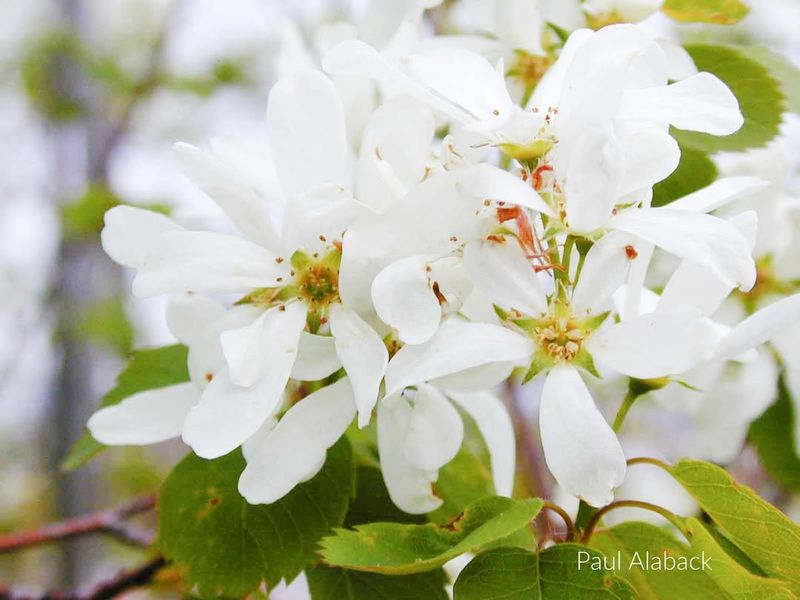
pixel 226 546
pixel 326 583
pixel 372 503
pixel 461 482
pixel 395 548
pixel 721 12
pixel 772 435
pixel 637 548
pixel 760 98
pixel 553 574
pixel 763 532
pixel 695 171
pixel 148 369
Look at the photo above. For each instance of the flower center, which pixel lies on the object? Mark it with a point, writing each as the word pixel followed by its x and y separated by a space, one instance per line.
pixel 560 338
pixel 317 278
pixel 319 285
pixel 529 68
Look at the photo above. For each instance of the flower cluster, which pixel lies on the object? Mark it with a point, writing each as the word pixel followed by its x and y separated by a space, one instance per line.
pixel 425 223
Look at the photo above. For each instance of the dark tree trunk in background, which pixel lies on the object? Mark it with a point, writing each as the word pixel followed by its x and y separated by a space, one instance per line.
pixel 82 275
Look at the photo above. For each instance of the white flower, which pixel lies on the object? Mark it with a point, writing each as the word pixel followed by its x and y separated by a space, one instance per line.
pixel 420 431
pixel 292 279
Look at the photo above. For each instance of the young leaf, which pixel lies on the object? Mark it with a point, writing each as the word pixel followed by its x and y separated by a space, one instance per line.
pixel 553 574
pixel 760 98
pixel 695 171
pixel 395 548
pixel 763 532
pixel 147 370
pixel 772 435
pixel 722 12
pixel 637 546
pixel 226 546
pixel 326 583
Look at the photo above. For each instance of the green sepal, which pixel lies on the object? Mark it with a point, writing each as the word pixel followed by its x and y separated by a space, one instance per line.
pixel 300 260
pixel 540 362
pixel 585 361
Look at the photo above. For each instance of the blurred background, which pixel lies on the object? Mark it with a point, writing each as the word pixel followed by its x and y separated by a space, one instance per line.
pixel 93 93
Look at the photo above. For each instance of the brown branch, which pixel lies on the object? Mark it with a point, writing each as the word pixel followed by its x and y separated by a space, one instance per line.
pixel 112 522
pixel 110 588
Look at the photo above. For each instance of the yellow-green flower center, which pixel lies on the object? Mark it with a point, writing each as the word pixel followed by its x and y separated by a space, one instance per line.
pixel 316 277
pixel 318 284
pixel 561 338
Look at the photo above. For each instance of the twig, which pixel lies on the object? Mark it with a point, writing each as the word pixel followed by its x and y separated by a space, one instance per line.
pixel 110 588
pixel 564 517
pixel 595 520
pixel 111 521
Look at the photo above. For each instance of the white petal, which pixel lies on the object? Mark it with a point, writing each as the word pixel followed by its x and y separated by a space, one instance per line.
pixel 363 355
pixel 650 156
pixel 228 415
pixel 497 430
pixel 679 61
pixel 604 64
pixel 205 350
pixel 268 342
pixel 467 80
pixel 692 284
pixel 146 417
pixel 638 299
pixel 435 430
pixel 655 344
pixel 316 218
pixel 305 124
pixel 201 261
pixel 409 487
pixel 761 326
pixel 503 273
pixel 548 91
pixel 704 239
pixel 253 443
pixel 295 450
pixel 245 208
pixel 593 179
pixel 581 450
pixel 455 347
pixel 189 314
pixel 373 243
pixel 519 24
pixel 404 300
pixel 720 193
pixel 700 103
pixel 128 234
pixel 316 357
pixel 607 264
pixel 353 57
pixel 398 136
pixel 475 379
pixel 487 182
